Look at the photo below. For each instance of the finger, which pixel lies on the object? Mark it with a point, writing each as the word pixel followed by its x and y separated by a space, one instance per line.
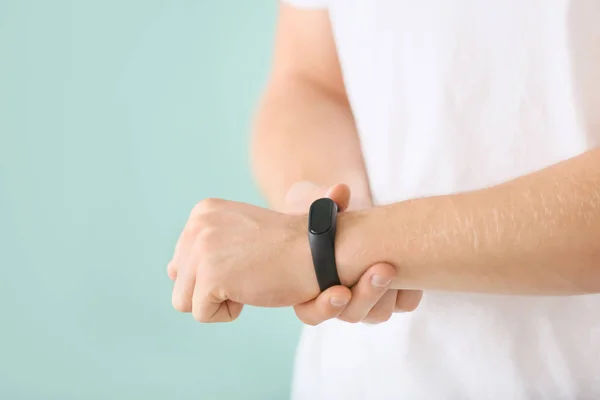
pixel 327 305
pixel 184 242
pixel 183 289
pixel 367 292
pixel 408 300
pixel 383 310
pixel 226 311
pixel 172 271
pixel 208 308
pixel 340 194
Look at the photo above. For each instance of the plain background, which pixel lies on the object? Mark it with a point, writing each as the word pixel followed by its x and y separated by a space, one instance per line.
pixel 116 117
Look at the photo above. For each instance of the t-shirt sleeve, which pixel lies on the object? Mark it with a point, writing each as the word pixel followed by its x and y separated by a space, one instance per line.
pixel 307 3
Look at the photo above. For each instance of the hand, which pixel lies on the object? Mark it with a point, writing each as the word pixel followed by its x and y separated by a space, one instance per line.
pixel 369 300
pixel 231 254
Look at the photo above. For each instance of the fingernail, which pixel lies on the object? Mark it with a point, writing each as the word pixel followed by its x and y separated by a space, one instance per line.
pixel 380 281
pixel 338 301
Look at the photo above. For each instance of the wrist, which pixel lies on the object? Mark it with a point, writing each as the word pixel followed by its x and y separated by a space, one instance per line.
pixel 353 232
pixel 354 251
pixel 357 244
pixel 302 270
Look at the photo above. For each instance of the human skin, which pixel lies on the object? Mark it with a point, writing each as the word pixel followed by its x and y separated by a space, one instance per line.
pixel 305 142
pixel 534 235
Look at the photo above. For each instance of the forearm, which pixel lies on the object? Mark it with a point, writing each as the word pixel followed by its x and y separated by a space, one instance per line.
pixel 539 234
pixel 305 133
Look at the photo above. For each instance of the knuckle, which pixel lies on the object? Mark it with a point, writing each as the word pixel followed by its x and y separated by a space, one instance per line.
pixel 193 226
pixel 200 317
pixel 206 242
pixel 210 204
pixel 205 206
pixel 200 314
pixel 378 318
pixel 172 271
pixel 408 302
pixel 351 319
pixel 406 308
pixel 180 304
pixel 197 210
pixel 208 233
pixel 171 267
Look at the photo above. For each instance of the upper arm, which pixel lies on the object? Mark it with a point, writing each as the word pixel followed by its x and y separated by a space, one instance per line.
pixel 305 48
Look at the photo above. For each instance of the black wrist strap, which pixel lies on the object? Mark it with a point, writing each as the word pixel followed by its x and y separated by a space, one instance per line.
pixel 322 219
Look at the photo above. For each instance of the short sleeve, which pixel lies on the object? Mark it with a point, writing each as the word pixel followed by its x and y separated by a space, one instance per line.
pixel 307 3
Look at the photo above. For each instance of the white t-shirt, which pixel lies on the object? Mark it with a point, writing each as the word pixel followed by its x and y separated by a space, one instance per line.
pixel 449 96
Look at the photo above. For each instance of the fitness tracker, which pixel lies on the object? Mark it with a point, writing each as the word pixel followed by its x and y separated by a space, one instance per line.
pixel 322 218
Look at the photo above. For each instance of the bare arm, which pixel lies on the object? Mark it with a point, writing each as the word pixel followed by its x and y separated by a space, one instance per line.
pixel 538 234
pixel 304 129
pixel 305 141
pixel 535 235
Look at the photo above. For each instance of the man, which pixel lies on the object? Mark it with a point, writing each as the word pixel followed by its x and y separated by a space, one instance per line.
pixel 476 179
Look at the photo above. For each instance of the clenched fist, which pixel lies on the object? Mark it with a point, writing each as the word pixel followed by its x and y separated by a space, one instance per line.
pixel 231 254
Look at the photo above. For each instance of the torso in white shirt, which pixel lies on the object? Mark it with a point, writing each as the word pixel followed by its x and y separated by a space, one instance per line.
pixel 451 96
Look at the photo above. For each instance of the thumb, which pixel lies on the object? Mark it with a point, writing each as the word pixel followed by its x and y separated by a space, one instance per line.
pixel 340 194
pixel 327 305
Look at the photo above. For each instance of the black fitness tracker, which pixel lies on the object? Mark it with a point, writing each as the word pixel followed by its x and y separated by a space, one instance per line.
pixel 322 218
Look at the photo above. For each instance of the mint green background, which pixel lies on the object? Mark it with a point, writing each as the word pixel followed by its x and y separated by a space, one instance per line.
pixel 116 117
